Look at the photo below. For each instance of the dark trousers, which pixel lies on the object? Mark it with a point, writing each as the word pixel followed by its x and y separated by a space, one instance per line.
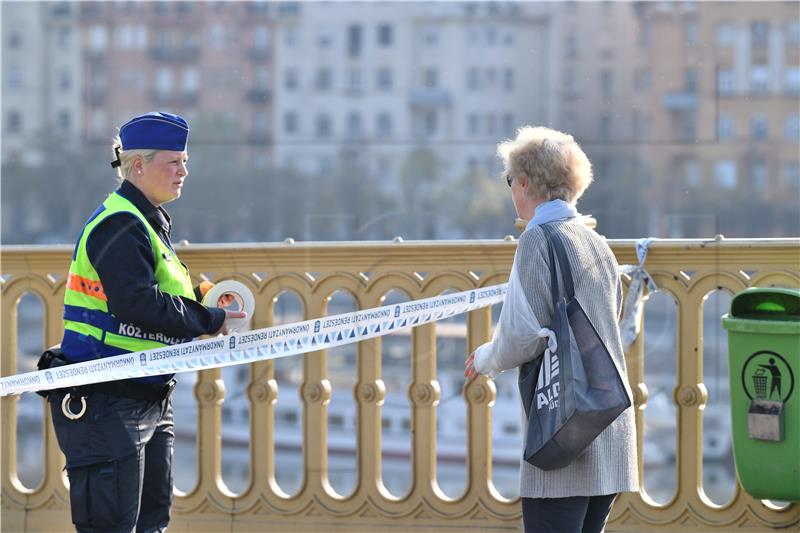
pixel 578 514
pixel 119 462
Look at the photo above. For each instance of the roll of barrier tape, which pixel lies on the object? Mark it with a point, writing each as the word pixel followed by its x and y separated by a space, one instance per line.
pixel 242 300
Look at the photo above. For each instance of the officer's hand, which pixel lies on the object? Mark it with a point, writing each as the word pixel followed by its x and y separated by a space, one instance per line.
pixel 228 316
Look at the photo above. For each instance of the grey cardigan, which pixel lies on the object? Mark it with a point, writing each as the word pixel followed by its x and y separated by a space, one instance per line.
pixel 609 464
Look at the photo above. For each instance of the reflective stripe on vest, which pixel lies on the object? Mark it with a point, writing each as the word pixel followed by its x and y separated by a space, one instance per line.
pixel 90 330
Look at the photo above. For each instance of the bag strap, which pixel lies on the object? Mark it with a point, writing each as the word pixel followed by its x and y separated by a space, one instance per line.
pixel 555 244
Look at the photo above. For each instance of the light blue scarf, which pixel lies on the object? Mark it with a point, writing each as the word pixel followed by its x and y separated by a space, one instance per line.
pixel 551 211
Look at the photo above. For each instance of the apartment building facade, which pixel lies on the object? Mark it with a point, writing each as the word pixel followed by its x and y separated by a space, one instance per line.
pixel 41 93
pixel 383 81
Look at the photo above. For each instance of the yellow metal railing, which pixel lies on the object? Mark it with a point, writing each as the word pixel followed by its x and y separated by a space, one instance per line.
pixel 687 270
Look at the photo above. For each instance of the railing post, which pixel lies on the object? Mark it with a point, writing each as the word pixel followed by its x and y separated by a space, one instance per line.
pixel 424 394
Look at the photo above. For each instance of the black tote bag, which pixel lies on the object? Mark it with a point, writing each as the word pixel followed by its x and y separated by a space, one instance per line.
pixel 572 395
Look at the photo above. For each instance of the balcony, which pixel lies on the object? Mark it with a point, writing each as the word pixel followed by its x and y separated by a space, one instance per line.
pixel 259 54
pixel 186 53
pixel 259 95
pixel 680 101
pixel 686 269
pixel 177 99
pixel 430 98
pixel 259 137
pixel 96 97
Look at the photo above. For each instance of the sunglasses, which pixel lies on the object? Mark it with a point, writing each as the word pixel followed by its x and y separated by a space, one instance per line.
pixel 509 179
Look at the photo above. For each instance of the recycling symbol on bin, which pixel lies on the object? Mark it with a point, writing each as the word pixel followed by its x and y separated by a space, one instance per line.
pixel 767 376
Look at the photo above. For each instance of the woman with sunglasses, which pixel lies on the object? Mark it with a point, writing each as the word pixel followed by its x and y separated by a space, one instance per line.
pixel 548 172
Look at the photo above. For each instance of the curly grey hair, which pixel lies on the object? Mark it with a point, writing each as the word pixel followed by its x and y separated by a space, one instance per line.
pixel 551 161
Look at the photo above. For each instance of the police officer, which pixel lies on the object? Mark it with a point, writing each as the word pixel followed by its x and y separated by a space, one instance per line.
pixel 127 291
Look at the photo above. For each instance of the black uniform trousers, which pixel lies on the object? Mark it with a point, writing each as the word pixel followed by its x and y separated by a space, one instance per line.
pixel 119 462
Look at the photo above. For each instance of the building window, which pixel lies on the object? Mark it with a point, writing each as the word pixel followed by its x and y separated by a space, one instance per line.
pixel 690 37
pixel 726 33
pixel 759 33
pixel 570 84
pixel 429 36
pixel 759 128
pixel 793 32
pixel 141 37
pixel 216 36
pixel 261 78
pixel 759 80
pixel 644 35
pixel 725 174
pixel 691 173
pixel 690 33
pixel 124 36
pixel 190 81
pixel 291 79
pixel 508 124
pixel 606 82
pixel 792 81
pixel 430 78
pixel 791 128
pixel 14 39
pixel 164 81
pixel 473 81
pixel 491 76
pixel 260 38
pixel 791 175
pixel 98 38
pixel 725 128
pixel 759 174
pixel 64 37
pixel 354 129
pixel 425 123
pixel 473 128
pixel 643 79
pixel 491 124
pixel 13 121
pixel 691 80
pixel 383 125
pixel 354 40
pixel 290 122
pixel 384 79
pixel 325 38
pixel 605 125
pixel 385 35
pixel 291 36
pixel 508 79
pixel 261 123
pixel 324 79
pixel 324 128
pixel 326 164
pixel 64 80
pixel 14 78
pixel 642 125
pixel 354 81
pixel 725 84
pixel 571 46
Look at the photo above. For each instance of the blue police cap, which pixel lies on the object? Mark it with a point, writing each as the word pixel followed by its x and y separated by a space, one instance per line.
pixel 155 131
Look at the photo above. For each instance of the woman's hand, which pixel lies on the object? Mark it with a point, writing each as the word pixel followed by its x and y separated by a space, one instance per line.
pixel 469 368
pixel 230 315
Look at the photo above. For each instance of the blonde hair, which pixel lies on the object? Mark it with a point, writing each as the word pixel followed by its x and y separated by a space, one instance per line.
pixel 127 157
pixel 551 161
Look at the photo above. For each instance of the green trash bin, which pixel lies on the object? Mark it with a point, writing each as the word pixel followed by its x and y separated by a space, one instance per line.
pixel 764 348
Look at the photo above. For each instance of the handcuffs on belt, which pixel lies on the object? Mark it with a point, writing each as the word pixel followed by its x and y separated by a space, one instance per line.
pixel 67 410
pixel 53 357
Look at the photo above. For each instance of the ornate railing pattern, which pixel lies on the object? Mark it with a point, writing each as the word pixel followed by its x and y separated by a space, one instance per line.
pixel 688 270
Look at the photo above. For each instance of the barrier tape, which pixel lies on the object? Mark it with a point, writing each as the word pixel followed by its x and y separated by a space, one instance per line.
pixel 257 345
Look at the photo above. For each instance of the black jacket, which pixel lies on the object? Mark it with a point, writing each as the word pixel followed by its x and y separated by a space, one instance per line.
pixel 119 250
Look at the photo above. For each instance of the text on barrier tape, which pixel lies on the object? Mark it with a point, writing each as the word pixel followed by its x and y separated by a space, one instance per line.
pixel 257 345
